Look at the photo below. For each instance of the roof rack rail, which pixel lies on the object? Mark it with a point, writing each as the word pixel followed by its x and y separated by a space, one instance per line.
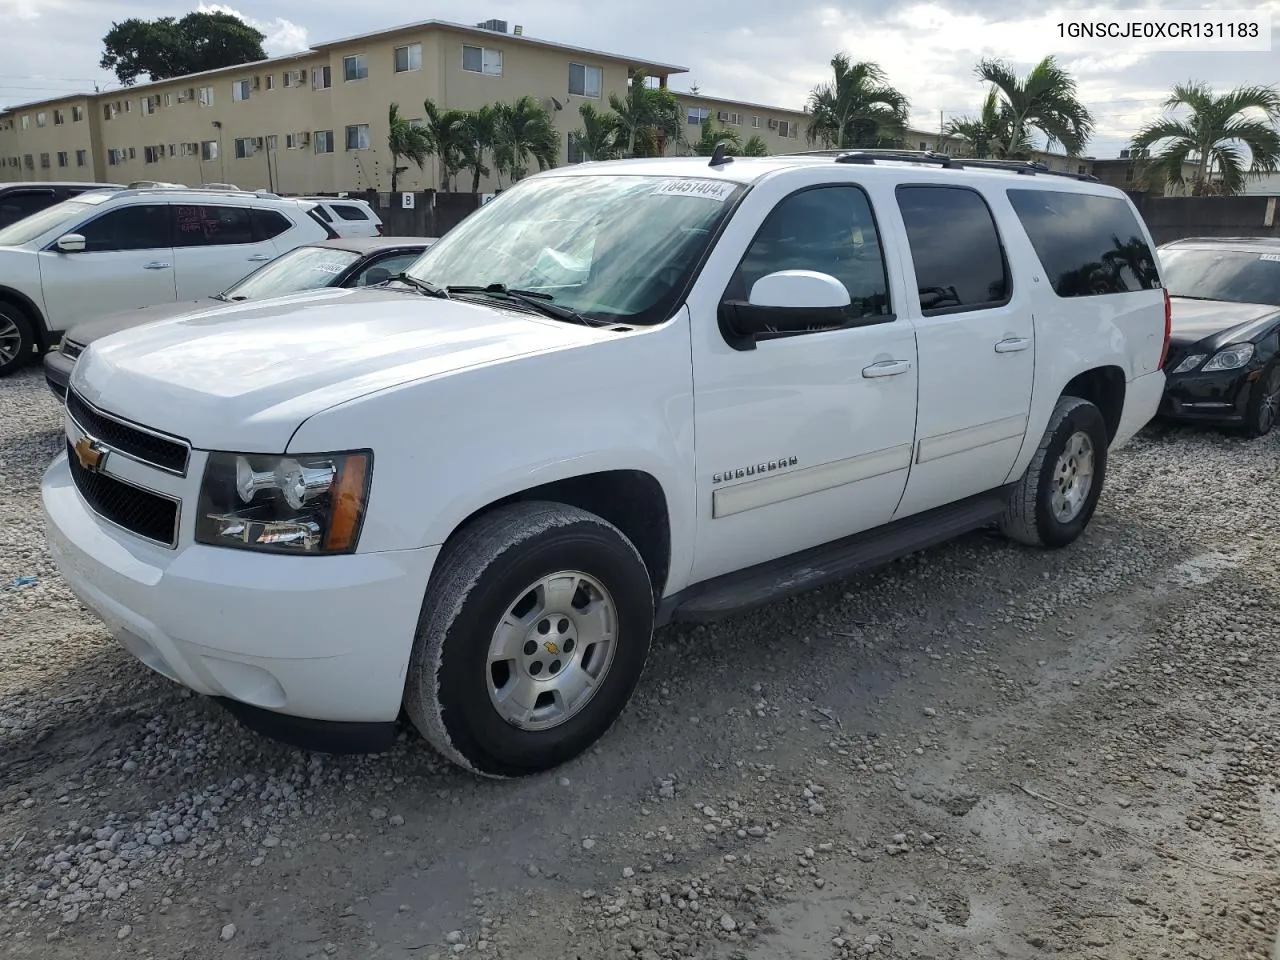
pixel 1029 167
pixel 871 155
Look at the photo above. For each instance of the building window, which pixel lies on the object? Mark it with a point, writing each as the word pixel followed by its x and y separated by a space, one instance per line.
pixel 409 58
pixel 321 78
pixel 575 153
pixel 209 150
pixel 273 143
pixel 698 116
pixel 585 81
pixel 133 153
pixel 755 122
pixel 82 158
pixel 324 141
pixel 77 114
pixel 291 141
pixel 153 154
pixel 482 60
pixel 168 99
pixel 240 90
pixel 355 67
pixel 724 116
pixel 173 149
pixel 59 117
pixel 1080 170
pixel 63 159
pixel 26 122
pixel 785 127
pixel 41 119
pixel 271 81
pixel 147 108
pixel 358 136
pixel 206 96
pixel 244 148
pixel 44 161
pixel 115 157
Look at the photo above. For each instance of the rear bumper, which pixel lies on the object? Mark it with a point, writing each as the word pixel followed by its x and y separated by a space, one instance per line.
pixel 1141 401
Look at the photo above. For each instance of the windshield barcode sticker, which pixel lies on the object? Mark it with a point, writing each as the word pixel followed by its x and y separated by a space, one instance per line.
pixel 710 189
pixel 1273 257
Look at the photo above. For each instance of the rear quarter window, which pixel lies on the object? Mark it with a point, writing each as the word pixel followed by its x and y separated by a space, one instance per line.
pixel 1088 245
pixel 348 212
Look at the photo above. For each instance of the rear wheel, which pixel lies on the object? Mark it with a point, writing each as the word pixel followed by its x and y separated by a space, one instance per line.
pixel 1056 497
pixel 534 634
pixel 1264 402
pixel 17 339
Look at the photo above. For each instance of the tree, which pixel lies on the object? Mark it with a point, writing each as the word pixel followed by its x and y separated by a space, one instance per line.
pixel 1212 137
pixel 714 134
pixel 755 147
pixel 1044 100
pixel 523 133
pixel 599 135
pixel 989 133
pixel 167 47
pixel 405 141
pixel 648 117
pixel 858 108
pixel 447 139
pixel 477 137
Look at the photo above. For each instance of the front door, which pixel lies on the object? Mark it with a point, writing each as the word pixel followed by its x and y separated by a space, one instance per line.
pixel 975 337
pixel 806 438
pixel 127 262
pixel 214 246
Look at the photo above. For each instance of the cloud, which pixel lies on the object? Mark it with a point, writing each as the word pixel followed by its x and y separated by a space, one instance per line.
pixel 282 36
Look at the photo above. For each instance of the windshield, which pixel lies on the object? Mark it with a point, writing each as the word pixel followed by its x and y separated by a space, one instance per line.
pixel 1233 275
pixel 303 268
pixel 611 247
pixel 59 215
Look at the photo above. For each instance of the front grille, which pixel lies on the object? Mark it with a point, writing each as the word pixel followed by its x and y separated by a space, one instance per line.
pixel 149 515
pixel 148 447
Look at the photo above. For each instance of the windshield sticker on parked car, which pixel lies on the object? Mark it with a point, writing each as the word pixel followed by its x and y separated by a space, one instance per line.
pixel 1273 257
pixel 711 189
pixel 329 267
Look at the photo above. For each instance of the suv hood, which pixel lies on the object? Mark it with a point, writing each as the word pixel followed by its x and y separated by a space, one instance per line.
pixel 99 327
pixel 244 376
pixel 1218 322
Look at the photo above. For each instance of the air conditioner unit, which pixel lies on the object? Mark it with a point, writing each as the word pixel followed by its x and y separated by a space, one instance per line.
pixel 257 143
pixel 773 124
pixel 722 115
pixel 304 139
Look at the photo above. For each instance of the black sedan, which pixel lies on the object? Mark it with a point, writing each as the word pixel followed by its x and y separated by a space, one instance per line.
pixel 1223 365
pixel 350 262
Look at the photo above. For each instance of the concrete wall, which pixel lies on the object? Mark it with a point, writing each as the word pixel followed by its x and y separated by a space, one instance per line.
pixel 1176 218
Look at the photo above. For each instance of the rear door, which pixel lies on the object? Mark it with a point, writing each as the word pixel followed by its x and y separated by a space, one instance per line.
pixel 214 245
pixel 975 338
pixel 127 262
pixel 17 204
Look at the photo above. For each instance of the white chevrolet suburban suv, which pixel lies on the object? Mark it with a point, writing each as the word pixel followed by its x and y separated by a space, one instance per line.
pixel 104 251
pixel 621 394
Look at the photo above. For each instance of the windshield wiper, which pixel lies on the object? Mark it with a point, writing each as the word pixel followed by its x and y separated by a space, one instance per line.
pixel 539 301
pixel 422 286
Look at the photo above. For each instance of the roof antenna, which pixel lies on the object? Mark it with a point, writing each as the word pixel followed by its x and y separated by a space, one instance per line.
pixel 718 156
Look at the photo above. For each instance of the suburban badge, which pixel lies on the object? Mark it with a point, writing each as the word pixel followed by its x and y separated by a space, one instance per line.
pixel 755 469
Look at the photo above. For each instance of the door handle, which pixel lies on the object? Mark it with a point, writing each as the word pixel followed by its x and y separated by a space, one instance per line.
pixel 259 257
pixel 1013 345
pixel 156 265
pixel 886 368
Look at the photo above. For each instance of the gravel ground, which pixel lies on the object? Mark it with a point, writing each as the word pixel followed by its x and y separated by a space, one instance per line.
pixel 981 751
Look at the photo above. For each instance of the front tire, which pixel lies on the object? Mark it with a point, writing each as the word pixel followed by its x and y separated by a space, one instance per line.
pixel 17 339
pixel 534 633
pixel 1264 403
pixel 1056 497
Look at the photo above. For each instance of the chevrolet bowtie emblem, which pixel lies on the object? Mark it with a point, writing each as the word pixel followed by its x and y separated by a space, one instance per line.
pixel 89 453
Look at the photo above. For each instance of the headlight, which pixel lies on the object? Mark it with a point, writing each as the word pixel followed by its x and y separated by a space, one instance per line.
pixel 1189 364
pixel 1230 358
pixel 312 504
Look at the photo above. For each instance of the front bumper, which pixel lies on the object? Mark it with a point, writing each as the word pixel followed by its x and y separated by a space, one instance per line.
pixel 57 372
pixel 1208 397
pixel 320 638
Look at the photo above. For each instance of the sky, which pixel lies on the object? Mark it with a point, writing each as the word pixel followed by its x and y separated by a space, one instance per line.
pixel 754 50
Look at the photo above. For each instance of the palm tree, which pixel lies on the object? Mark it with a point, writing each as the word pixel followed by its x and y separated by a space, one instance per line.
pixel 599 135
pixel 987 134
pixel 1212 137
pixel 446 139
pixel 1045 100
pixel 405 141
pixel 477 135
pixel 713 134
pixel 648 117
pixel 857 108
pixel 523 133
pixel 755 147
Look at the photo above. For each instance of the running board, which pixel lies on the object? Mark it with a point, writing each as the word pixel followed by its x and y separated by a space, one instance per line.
pixel 743 590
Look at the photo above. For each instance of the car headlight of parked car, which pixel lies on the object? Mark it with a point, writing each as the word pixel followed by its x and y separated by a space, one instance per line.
pixel 1189 364
pixel 1232 357
pixel 306 504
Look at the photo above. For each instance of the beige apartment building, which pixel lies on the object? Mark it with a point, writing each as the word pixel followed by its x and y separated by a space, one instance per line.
pixel 316 121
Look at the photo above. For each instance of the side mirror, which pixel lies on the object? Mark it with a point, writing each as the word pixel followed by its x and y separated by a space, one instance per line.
pixel 788 301
pixel 71 243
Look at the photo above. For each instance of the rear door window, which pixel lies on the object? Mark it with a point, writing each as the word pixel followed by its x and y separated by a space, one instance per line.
pixel 347 212
pixel 959 261
pixel 1089 245
pixel 18 204
pixel 207 225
